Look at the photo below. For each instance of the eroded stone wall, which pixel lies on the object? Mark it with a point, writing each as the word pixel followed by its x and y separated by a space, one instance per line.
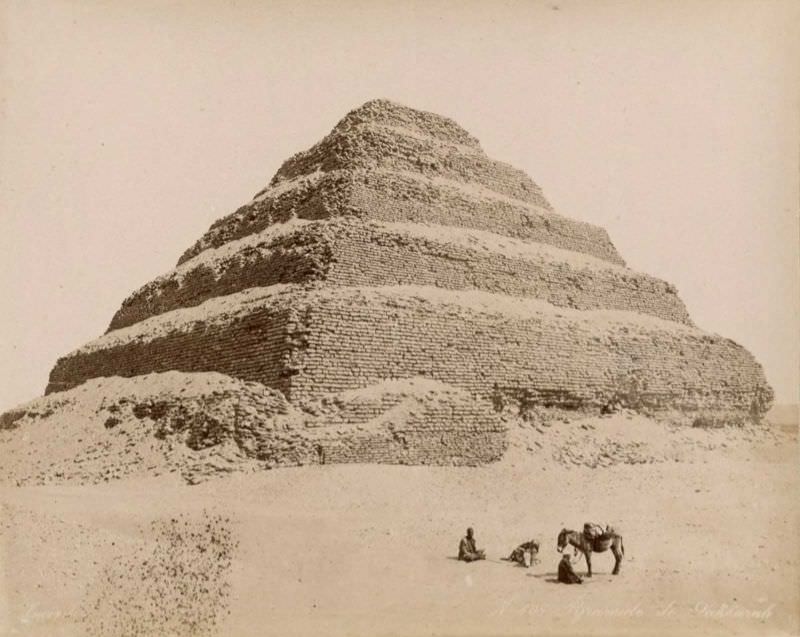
pixel 449 437
pixel 294 258
pixel 399 197
pixel 354 253
pixel 364 256
pixel 395 196
pixel 307 343
pixel 376 146
pixel 254 346
pixel 547 359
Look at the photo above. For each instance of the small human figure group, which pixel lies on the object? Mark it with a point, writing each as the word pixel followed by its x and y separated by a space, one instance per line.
pixel 524 554
pixel 566 574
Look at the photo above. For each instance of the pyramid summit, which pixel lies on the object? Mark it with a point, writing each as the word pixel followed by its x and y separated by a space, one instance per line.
pixel 390 163
pixel 395 251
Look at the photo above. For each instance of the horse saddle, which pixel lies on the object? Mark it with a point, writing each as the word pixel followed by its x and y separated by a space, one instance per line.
pixel 592 531
pixel 600 538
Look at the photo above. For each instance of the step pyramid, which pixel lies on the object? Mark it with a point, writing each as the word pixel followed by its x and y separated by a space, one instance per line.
pixel 395 249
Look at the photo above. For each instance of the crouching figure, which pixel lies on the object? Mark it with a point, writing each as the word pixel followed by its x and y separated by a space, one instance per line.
pixel 525 554
pixel 566 574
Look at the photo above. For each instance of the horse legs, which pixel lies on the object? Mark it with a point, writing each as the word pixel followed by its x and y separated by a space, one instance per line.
pixel 617 557
pixel 588 556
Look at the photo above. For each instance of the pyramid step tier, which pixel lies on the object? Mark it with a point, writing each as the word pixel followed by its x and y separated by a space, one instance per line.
pixel 311 342
pixel 395 196
pixel 349 252
pixel 373 145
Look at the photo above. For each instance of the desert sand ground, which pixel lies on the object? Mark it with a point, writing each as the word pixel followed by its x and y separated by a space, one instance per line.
pixel 711 547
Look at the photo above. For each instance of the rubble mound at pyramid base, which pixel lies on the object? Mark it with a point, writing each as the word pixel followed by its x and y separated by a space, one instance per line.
pixel 204 424
pixel 627 437
pixel 308 342
pixel 353 253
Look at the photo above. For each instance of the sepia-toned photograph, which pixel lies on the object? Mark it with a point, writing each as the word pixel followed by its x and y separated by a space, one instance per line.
pixel 399 318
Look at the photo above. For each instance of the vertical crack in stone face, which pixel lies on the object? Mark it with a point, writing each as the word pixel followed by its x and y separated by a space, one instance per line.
pixel 396 249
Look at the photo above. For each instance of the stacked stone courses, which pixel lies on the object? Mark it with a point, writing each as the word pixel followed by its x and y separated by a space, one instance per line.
pixel 395 248
pixel 399 197
pixel 336 251
pixel 308 341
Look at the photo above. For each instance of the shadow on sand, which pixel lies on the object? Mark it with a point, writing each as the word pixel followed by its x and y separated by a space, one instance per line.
pixel 552 578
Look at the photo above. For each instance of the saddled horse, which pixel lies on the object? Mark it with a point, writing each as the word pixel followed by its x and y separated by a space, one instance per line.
pixel 588 545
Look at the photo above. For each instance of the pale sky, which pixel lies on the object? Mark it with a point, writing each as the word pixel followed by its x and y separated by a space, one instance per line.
pixel 128 127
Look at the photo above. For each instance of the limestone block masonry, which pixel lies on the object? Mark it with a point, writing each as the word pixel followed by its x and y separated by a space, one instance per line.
pixel 309 341
pixel 395 248
pixel 352 252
